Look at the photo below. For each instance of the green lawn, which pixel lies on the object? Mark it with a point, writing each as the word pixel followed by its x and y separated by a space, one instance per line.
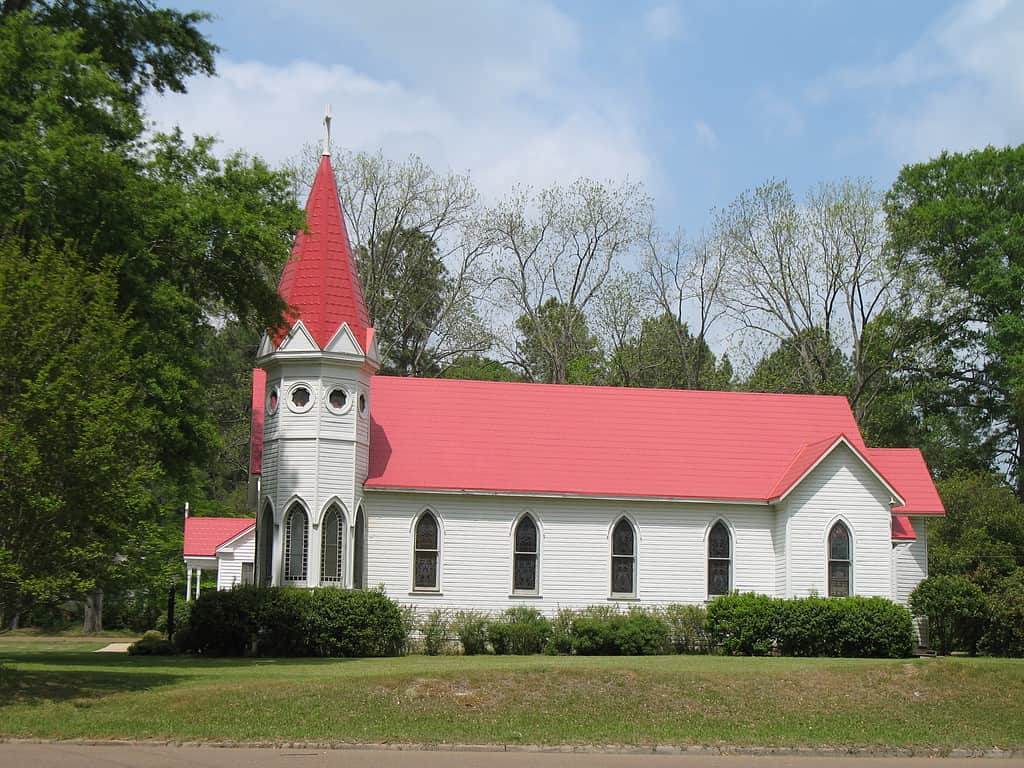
pixel 62 690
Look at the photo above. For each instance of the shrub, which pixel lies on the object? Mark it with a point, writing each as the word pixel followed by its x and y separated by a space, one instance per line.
pixel 435 632
pixel 471 629
pixel 520 630
pixel 955 609
pixel 560 639
pixel 743 623
pixel 282 617
pixel 599 631
pixel 1004 635
pixel 282 621
pixel 354 623
pixel 221 623
pixel 152 643
pixel 811 626
pixel 687 628
pixel 642 633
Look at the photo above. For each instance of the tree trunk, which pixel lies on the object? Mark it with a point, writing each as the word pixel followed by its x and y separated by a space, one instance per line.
pixel 14 621
pixel 93 623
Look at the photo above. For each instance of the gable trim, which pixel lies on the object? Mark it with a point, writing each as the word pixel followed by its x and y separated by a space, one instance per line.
pixel 896 499
pixel 235 538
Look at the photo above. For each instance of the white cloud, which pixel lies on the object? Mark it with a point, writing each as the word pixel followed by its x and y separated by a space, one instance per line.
pixel 706 136
pixel 664 22
pixel 960 86
pixel 504 100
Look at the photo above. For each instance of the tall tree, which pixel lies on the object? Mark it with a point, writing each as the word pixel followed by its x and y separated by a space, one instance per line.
pixel 553 253
pixel 687 279
pixel 782 370
pixel 188 240
pixel 814 276
pixel 958 220
pixel 577 357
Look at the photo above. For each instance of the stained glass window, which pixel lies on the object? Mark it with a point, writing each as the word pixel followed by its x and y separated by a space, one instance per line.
pixel 524 576
pixel 623 559
pixel 425 555
pixel 719 560
pixel 332 549
pixel 839 561
pixel 296 544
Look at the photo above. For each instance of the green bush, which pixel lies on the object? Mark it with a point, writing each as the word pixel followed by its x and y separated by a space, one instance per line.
pixel 435 632
pixel 743 623
pixel 471 629
pixel 520 630
pixel 955 609
pixel 1004 635
pixel 599 631
pixel 354 623
pixel 687 628
pixel 281 621
pixel 152 643
pixel 560 639
pixel 812 626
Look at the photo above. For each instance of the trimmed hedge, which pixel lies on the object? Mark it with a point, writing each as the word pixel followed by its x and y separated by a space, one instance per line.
pixel 520 630
pixel 281 621
pixel 752 624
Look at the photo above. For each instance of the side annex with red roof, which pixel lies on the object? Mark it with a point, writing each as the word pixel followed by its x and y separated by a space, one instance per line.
pixel 484 495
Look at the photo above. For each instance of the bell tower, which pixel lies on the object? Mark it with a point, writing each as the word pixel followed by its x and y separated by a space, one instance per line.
pixel 315 404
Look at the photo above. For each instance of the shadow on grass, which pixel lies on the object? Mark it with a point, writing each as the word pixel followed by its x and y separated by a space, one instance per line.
pixel 20 686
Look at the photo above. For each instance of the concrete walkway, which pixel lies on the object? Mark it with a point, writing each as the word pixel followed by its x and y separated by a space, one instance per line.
pixel 70 755
pixel 113 648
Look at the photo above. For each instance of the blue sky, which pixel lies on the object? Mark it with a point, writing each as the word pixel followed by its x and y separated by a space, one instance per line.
pixel 698 100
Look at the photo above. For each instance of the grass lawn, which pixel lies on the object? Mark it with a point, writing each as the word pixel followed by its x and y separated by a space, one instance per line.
pixel 63 690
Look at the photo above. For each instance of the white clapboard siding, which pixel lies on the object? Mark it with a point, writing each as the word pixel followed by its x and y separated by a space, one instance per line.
pixel 575 557
pixel 230 559
pixel 841 487
pixel 910 562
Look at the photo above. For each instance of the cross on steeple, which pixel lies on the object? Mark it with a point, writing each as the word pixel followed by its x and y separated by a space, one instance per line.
pixel 327 130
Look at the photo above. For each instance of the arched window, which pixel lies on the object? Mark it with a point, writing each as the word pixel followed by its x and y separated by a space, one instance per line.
pixel 719 560
pixel 524 558
pixel 265 546
pixel 296 544
pixel 359 553
pixel 425 557
pixel 332 546
pixel 839 561
pixel 623 559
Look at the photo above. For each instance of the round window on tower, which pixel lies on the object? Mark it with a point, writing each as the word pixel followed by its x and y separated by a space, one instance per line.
pixel 337 400
pixel 299 400
pixel 362 405
pixel 273 399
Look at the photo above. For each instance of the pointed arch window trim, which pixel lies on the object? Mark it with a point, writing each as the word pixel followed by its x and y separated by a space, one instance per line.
pixel 839 546
pixel 332 545
pixel 427 535
pixel 296 522
pixel 623 559
pixel 720 556
pixel 526 538
pixel 359 548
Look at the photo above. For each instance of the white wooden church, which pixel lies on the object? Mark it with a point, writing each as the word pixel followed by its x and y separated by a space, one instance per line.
pixel 468 494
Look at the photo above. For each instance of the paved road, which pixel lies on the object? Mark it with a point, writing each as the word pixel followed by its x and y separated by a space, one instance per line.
pixel 82 756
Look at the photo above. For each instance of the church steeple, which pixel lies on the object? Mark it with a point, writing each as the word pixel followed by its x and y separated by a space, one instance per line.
pixel 320 282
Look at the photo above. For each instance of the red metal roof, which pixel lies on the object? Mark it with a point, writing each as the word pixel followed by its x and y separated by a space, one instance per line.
pixel 437 434
pixel 902 530
pixel 204 534
pixel 259 392
pixel 905 469
pixel 320 282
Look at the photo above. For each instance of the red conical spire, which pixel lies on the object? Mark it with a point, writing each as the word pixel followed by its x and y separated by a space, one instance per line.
pixel 320 282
